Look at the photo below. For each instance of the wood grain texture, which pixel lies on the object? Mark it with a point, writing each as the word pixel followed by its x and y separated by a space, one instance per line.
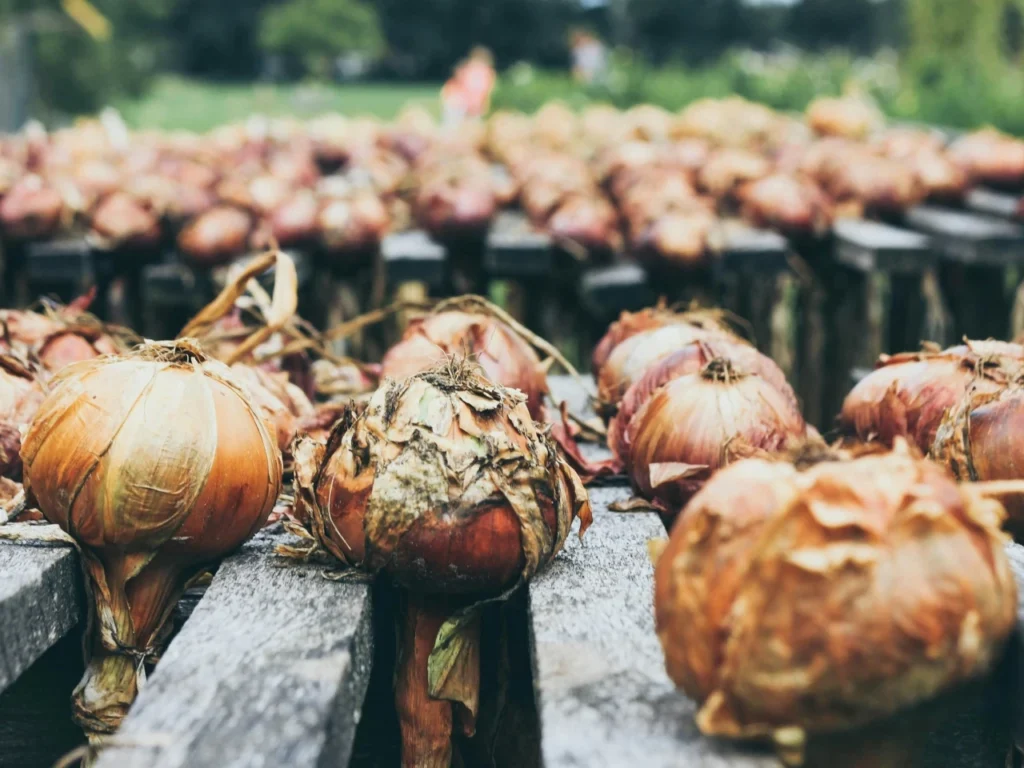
pixel 40 601
pixel 602 693
pixel 270 670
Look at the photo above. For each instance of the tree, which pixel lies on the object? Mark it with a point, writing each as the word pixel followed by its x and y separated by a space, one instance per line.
pixel 315 31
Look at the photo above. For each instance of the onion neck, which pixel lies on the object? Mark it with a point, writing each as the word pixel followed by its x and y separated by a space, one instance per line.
pixel 721 369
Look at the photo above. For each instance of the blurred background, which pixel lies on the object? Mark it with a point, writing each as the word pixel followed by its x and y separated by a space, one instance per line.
pixel 195 63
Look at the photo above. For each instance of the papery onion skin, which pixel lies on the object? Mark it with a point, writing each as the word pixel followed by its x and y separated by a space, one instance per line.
pixel 774 597
pixel 382 495
pixel 681 435
pixel 73 346
pixel 907 395
pixel 687 361
pixel 282 403
pixel 982 438
pixel 631 358
pixel 504 356
pixel 21 393
pixel 157 463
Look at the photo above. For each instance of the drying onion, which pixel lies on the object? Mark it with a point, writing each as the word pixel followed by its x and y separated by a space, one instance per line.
pixel 282 404
pixel 505 357
pixel 21 392
pixel 631 359
pixel 447 484
pixel 683 432
pixel 123 222
pixel 158 464
pixel 216 236
pixel 793 603
pixel 907 395
pixel 687 361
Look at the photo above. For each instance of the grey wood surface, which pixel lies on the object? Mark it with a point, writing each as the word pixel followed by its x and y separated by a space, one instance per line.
pixel 993 203
pixel 412 256
pixel 515 248
pixel 606 291
pixel 40 601
pixel 747 249
pixel 270 670
pixel 969 238
pixel 603 697
pixel 870 246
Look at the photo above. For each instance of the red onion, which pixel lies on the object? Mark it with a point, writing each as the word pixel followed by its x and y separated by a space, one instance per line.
pixel 216 236
pixel 122 221
pixel 31 209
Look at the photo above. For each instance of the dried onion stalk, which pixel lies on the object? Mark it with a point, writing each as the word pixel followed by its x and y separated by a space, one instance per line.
pixel 158 464
pixel 775 601
pixel 447 484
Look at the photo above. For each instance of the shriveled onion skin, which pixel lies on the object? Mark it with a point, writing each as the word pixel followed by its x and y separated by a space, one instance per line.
pixel 681 435
pixel 831 597
pixel 982 438
pixel 687 361
pixel 907 395
pixel 505 357
pixel 632 323
pixel 419 485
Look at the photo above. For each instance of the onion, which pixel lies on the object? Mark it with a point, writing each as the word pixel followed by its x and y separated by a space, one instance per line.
pixel 980 439
pixel 453 207
pixel 447 484
pixel 158 464
pixel 505 357
pixel 631 359
pixel 355 224
pixel 681 435
pixel 295 221
pixel 282 404
pixel 631 323
pixel 21 392
pixel 907 395
pixel 63 335
pixel 824 599
pixel 122 221
pixel 31 209
pixel 216 236
pixel 689 360
pixel 588 221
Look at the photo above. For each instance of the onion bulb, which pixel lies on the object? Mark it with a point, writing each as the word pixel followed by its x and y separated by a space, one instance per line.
pixel 21 393
pixel 907 395
pixel 446 483
pixel 216 236
pixel 282 404
pixel 59 336
pixel 818 600
pixel 682 434
pixel 980 438
pixel 158 464
pixel 687 361
pixel 506 358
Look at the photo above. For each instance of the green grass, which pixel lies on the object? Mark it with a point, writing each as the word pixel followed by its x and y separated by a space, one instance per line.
pixel 175 103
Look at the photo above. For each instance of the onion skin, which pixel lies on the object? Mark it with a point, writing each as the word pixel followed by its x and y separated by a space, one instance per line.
pixel 682 434
pixel 282 403
pixel 506 358
pixel 908 395
pixel 124 222
pixel 31 210
pixel 158 464
pixel 980 439
pixel 73 346
pixel 631 359
pixel 685 362
pixel 216 236
pixel 21 393
pixel 774 601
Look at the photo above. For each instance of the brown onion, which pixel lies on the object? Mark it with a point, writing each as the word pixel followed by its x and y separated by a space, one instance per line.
pixel 123 222
pixel 216 236
pixel 907 395
pixel 31 209
pixel 21 392
pixel 282 404
pixel 504 356
pixel 631 359
pixel 817 601
pixel 295 221
pixel 687 361
pixel 681 435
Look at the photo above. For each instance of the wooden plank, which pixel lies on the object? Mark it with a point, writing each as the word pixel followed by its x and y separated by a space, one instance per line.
pixel 870 246
pixel 968 237
pixel 603 697
pixel 412 256
pixel 66 261
pixel 746 249
pixel 515 248
pixel 606 291
pixel 992 203
pixel 271 669
pixel 40 601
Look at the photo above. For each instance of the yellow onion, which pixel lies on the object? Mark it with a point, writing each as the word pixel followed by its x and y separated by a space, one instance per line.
pixel 631 359
pixel 445 483
pixel 506 358
pixel 282 403
pixel 794 603
pixel 158 464
pixel 684 362
pixel 980 439
pixel 682 434
pixel 907 395
pixel 631 323
pixel 21 392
